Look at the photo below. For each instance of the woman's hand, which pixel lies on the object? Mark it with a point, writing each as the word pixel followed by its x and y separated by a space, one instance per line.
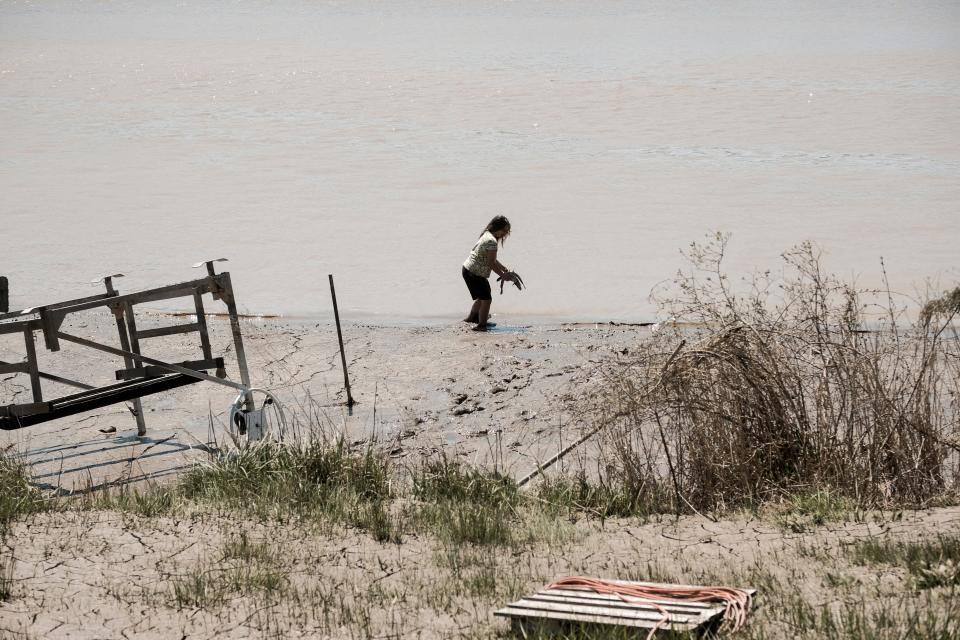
pixel 510 276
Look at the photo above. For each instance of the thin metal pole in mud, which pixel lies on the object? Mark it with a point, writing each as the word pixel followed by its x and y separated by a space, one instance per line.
pixel 343 356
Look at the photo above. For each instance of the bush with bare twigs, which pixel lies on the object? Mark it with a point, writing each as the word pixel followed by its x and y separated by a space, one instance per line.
pixel 791 384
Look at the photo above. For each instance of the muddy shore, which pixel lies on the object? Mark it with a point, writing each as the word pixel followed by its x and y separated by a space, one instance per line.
pixel 498 396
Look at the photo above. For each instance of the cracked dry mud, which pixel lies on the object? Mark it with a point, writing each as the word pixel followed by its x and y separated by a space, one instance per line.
pixel 83 574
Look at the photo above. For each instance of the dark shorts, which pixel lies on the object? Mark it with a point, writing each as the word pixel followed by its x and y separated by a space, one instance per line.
pixel 479 286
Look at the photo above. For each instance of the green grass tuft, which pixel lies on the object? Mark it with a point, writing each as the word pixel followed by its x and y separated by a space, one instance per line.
pixel 441 479
pixel 313 480
pixel 572 494
pixel 243 568
pixel 931 563
pixel 17 497
pixel 465 505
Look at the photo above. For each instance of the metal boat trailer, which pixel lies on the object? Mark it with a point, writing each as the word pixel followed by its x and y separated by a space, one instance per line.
pixel 141 375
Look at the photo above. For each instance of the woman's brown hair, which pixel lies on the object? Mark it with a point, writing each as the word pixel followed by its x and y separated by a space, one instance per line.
pixel 498 224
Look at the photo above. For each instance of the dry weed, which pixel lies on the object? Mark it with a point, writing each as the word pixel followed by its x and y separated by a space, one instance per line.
pixel 801 384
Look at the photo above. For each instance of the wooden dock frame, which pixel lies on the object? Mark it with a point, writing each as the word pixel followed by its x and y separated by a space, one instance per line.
pixel 141 375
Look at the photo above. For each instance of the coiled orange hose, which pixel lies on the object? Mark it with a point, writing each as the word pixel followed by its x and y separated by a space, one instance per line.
pixel 736 601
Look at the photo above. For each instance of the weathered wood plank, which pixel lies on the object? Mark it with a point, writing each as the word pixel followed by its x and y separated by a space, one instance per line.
pixel 181 290
pixel 154 371
pixel 202 322
pixel 199 375
pixel 534 614
pixel 27 321
pixel 132 334
pixel 13 315
pixel 168 331
pixel 614 613
pixel 226 294
pixel 10 367
pixel 32 368
pixel 609 597
pixel 696 609
pixel 61 407
pixel 24 409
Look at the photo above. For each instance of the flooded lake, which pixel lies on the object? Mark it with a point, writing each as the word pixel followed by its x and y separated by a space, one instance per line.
pixel 374 140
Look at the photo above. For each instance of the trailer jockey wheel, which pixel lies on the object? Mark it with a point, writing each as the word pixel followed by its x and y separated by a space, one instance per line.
pixel 254 423
pixel 240 422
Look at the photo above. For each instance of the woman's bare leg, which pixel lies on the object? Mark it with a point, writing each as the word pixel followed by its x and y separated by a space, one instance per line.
pixel 474 315
pixel 483 312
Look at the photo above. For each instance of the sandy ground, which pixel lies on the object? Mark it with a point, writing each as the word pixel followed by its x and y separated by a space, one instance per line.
pixel 489 397
pixel 107 575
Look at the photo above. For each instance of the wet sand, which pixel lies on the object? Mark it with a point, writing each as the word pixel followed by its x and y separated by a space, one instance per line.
pixel 499 397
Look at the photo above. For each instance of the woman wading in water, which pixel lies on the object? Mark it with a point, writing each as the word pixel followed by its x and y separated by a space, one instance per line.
pixel 476 271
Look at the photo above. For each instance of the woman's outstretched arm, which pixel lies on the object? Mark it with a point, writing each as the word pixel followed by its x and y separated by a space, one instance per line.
pixel 496 266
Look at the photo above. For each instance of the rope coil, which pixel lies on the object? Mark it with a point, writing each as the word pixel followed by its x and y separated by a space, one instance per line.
pixel 736 601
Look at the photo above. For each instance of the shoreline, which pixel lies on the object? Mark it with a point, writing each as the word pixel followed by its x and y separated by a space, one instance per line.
pixel 385 321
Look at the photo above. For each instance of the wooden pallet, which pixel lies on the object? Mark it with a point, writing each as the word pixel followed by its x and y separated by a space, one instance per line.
pixel 561 608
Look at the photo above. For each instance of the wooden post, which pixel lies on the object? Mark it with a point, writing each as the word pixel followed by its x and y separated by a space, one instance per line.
pixel 128 364
pixel 125 345
pixel 4 294
pixel 132 331
pixel 32 366
pixel 231 303
pixel 343 356
pixel 204 332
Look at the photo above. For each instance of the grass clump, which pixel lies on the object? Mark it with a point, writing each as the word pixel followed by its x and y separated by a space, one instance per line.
pixel 243 567
pixel 17 500
pixel 153 502
pixel 930 563
pixel 462 504
pixel 17 497
pixel 603 499
pixel 801 511
pixel 314 479
pixel 473 573
pixel 441 479
pixel 895 619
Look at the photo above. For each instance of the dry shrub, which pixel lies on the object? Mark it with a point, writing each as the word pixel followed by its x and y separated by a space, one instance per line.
pixel 791 384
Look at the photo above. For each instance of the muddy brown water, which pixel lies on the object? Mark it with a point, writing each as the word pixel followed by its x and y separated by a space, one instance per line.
pixel 374 140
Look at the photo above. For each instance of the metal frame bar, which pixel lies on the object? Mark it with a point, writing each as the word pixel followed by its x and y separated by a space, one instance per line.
pixel 23 367
pixel 160 363
pixel 153 371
